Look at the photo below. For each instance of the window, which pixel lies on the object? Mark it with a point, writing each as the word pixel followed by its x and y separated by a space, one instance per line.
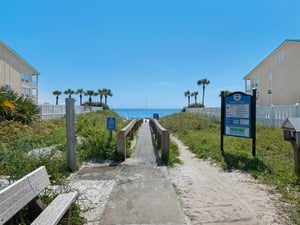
pixel 7 87
pixel 34 81
pixel 25 92
pixel 254 82
pixel 270 76
pixel 26 77
pixel 34 93
pixel 269 91
pixel 280 57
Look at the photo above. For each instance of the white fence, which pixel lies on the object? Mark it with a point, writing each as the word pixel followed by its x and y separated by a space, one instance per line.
pixel 58 111
pixel 272 116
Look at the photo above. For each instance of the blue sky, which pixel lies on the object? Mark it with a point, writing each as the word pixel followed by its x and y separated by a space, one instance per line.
pixel 148 52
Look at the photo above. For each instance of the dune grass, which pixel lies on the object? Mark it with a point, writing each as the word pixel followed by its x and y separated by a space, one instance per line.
pixel 273 164
pixel 18 139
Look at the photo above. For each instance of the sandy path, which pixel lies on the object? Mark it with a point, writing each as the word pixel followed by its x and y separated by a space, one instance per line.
pixel 209 195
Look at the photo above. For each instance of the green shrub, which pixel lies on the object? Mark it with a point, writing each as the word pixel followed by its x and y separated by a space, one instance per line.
pixel 173 158
pixel 18 108
pixel 17 139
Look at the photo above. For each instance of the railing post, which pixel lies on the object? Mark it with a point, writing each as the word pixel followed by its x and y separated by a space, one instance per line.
pixel 165 144
pixel 121 147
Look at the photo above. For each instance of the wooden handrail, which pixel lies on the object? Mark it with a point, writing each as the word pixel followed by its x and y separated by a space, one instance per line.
pixel 126 131
pixel 163 138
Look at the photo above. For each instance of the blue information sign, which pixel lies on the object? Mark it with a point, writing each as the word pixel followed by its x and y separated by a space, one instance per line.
pixel 237 115
pixel 111 123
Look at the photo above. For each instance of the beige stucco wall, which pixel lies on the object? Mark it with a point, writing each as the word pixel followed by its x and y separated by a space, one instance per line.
pixel 279 72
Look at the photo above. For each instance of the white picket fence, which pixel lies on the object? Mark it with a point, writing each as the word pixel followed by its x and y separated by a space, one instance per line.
pixel 272 116
pixel 48 111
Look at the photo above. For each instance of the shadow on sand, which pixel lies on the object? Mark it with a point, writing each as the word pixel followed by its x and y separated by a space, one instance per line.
pixel 246 163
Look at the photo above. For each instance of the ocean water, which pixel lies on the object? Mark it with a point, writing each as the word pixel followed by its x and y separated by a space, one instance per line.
pixel 143 113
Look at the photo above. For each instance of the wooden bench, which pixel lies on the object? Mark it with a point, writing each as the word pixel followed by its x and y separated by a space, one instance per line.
pixel 26 192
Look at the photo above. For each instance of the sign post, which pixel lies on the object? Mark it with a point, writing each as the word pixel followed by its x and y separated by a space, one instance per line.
pixel 238 117
pixel 111 125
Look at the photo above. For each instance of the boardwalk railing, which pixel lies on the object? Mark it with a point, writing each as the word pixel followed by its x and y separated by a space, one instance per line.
pixel 162 137
pixel 272 116
pixel 123 134
pixel 48 111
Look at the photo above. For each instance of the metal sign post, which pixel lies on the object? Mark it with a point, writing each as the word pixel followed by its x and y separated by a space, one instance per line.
pixel 238 117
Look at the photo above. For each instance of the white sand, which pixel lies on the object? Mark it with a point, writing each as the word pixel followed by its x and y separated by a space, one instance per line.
pixel 208 195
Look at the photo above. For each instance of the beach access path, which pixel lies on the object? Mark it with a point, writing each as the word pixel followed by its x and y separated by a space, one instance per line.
pixel 139 191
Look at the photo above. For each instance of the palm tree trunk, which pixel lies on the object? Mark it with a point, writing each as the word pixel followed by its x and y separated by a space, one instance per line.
pixel 56 100
pixel 203 95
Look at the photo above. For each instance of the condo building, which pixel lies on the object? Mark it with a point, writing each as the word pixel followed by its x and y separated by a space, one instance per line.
pixel 16 74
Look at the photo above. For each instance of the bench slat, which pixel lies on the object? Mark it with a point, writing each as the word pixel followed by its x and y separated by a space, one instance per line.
pixel 56 209
pixel 14 197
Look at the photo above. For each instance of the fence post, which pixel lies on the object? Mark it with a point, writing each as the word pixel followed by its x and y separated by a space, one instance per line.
pixel 121 147
pixel 71 137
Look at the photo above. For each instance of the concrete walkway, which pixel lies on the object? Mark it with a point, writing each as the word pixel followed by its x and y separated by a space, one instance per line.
pixel 144 150
pixel 143 194
pixel 134 192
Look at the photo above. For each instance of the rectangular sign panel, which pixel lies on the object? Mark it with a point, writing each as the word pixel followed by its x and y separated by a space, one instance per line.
pixel 237 120
pixel 111 123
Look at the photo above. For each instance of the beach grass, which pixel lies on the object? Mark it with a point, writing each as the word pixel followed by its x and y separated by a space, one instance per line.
pixel 273 164
pixel 17 140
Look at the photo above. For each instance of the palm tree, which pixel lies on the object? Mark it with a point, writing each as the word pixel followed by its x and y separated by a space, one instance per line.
pixel 89 93
pixel 188 95
pixel 95 93
pixel 101 92
pixel 56 93
pixel 80 92
pixel 7 105
pixel 69 92
pixel 107 92
pixel 195 95
pixel 226 92
pixel 203 82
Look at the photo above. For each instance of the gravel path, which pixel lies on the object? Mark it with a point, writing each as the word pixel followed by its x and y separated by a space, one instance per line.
pixel 208 195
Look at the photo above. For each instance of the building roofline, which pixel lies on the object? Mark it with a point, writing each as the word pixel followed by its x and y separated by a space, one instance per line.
pixel 20 58
pixel 283 43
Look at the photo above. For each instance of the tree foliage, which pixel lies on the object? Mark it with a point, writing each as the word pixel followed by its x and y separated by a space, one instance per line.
pixel 18 108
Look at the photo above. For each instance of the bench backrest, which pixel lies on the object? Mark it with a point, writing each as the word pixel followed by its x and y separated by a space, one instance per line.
pixel 15 196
